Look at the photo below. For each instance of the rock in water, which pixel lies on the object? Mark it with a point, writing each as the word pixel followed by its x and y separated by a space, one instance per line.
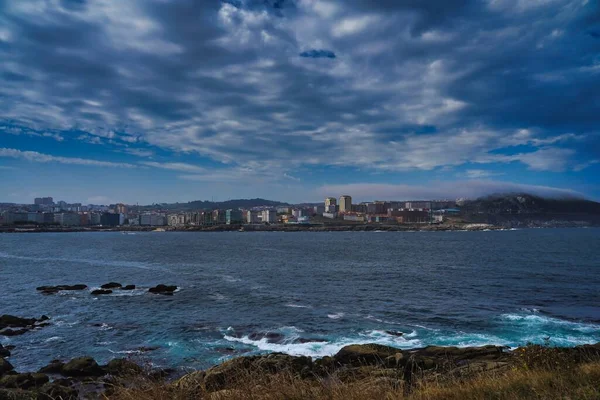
pixel 128 287
pixel 101 291
pixel 111 285
pixel 163 289
pixel 4 352
pixel 82 366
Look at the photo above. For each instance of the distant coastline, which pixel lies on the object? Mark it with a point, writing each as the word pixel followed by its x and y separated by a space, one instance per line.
pixel 473 227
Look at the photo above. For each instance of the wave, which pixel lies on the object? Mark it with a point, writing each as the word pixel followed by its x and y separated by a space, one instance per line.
pixel 129 264
pixel 297 306
pixel 339 315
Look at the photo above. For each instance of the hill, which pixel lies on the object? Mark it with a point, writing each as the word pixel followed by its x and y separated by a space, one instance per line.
pixel 224 205
pixel 529 204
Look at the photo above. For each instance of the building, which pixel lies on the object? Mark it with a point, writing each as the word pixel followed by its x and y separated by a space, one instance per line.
pixel 345 204
pixel 418 205
pixel 110 219
pixel 330 215
pixel 43 201
pixel 219 217
pixel 318 210
pixel 354 217
pixel 233 217
pixel 120 208
pixel 153 220
pixel 35 217
pixel 269 216
pixel 252 217
pixel 95 218
pixel 330 201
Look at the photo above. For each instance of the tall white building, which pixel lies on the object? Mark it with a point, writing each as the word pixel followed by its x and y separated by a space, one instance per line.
pixel 345 203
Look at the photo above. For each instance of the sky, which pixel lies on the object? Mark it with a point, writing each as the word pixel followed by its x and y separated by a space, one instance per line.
pixel 148 101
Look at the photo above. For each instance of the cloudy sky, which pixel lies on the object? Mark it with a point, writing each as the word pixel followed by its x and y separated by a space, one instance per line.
pixel 156 100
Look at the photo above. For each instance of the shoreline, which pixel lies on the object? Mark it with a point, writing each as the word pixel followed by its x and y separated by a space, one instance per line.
pixel 374 365
pixel 463 227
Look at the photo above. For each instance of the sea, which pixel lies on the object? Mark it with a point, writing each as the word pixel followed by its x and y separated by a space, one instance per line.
pixel 301 293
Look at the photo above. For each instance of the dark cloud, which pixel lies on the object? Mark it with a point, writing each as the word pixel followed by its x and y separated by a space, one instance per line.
pixel 421 84
pixel 318 54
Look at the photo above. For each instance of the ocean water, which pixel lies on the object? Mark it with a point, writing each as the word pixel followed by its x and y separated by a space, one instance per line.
pixel 300 293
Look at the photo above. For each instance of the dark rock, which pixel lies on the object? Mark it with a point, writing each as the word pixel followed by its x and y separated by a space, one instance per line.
pixel 4 352
pixel 111 285
pixel 10 321
pixel 123 367
pixel 233 371
pixel 163 289
pixel 5 366
pixel 128 287
pixel 18 394
pixel 145 349
pixel 24 381
pixel 44 318
pixel 272 337
pixel 50 291
pixel 365 354
pixel 395 333
pixel 82 366
pixel 54 289
pixel 56 390
pixel 55 367
pixel 310 340
pixel 101 291
pixel 13 332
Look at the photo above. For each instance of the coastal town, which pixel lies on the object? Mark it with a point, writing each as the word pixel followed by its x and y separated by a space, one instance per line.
pixel 46 212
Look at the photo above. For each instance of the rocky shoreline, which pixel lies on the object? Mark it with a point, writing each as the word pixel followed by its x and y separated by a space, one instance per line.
pixel 83 377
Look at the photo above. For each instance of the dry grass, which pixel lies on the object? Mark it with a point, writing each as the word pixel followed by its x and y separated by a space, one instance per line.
pixel 522 381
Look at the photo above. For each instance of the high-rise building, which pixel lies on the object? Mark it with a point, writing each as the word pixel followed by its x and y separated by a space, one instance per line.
pixel 43 201
pixel 345 203
pixel 330 201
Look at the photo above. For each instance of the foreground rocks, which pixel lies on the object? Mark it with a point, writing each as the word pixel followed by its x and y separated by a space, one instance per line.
pixel 353 363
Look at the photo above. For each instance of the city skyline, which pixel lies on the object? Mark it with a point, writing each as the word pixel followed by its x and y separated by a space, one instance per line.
pixel 162 102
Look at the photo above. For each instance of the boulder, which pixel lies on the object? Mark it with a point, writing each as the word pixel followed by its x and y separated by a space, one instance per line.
pixel 230 372
pixel 55 367
pixel 310 340
pixel 272 337
pixel 365 354
pixel 4 352
pixel 24 381
pixel 5 366
pixel 82 366
pixel 123 367
pixel 100 291
pixel 163 289
pixel 128 287
pixel 111 285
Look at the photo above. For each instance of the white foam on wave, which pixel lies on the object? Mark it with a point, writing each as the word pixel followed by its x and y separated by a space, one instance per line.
pixel 339 315
pixel 218 296
pixel 322 349
pixel 540 321
pixel 53 339
pixel 297 306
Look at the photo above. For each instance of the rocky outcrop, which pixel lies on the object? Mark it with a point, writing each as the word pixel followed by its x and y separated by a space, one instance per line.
pixel 111 285
pixel 128 287
pixel 55 367
pixel 123 367
pixel 82 366
pixel 4 352
pixel 11 325
pixel 5 366
pixel 163 289
pixel 56 289
pixel 24 381
pixel 98 292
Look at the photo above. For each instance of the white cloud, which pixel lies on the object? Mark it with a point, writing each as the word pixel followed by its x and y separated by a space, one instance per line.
pixel 34 156
pixel 352 26
pixel 480 173
pixel 174 166
pixel 439 190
